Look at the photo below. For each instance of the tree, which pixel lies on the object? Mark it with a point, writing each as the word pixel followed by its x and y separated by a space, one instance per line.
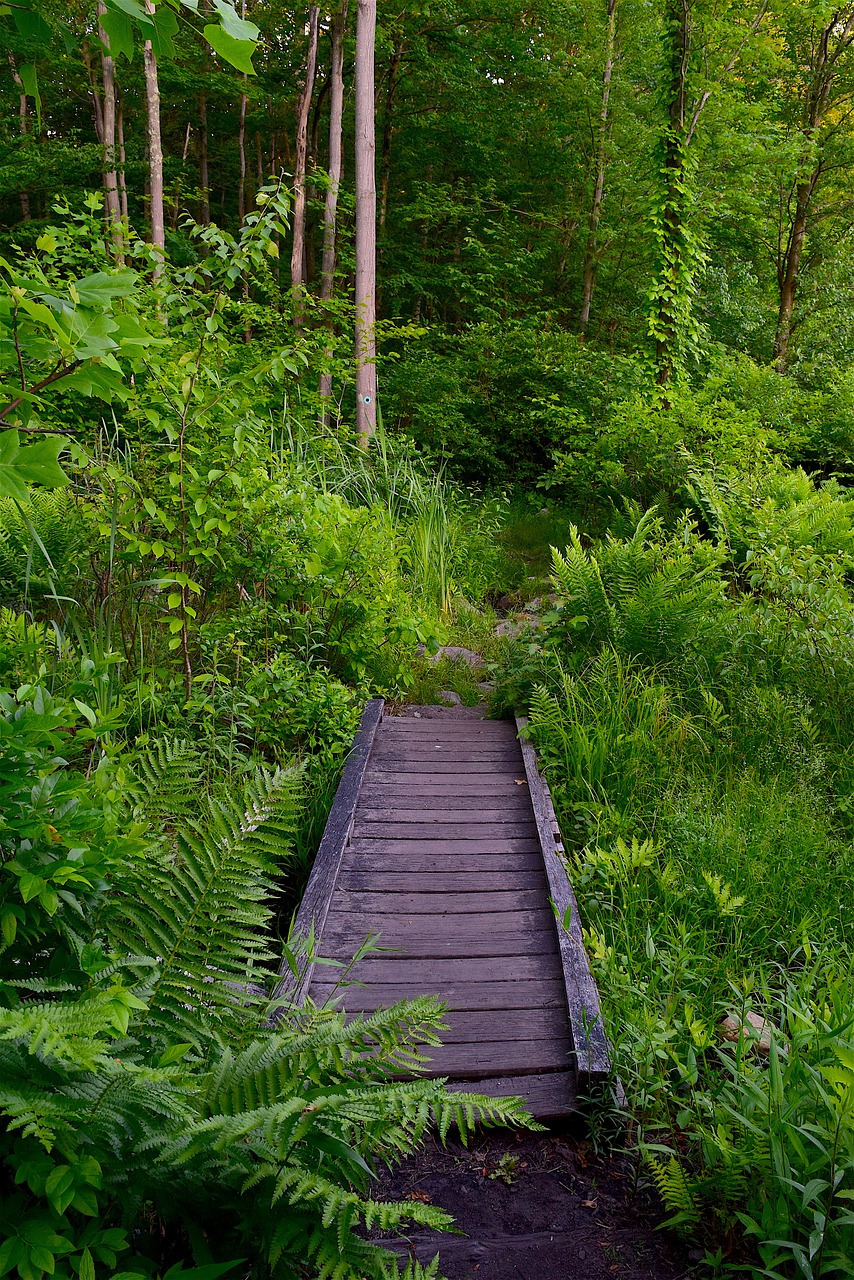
pixel 592 249
pixel 366 223
pixel 330 209
pixel 298 250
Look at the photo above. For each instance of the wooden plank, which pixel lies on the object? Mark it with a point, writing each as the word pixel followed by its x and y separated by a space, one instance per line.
pixel 315 902
pixel 448 864
pixel 513 796
pixel 585 1015
pixel 340 942
pixel 396 927
pixel 447 728
pixel 404 846
pixel 438 975
pixel 439 904
pixel 433 768
pixel 499 1056
pixel 396 882
pixel 515 813
pixel 484 784
pixel 476 1026
pixel 545 993
pixel 497 831
pixel 547 1096
pixel 445 752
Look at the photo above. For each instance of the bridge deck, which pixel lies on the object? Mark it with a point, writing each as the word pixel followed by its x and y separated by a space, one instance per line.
pixel 443 857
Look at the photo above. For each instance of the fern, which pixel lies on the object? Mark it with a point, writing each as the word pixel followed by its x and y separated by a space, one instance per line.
pixel 199 903
pixel 676 1192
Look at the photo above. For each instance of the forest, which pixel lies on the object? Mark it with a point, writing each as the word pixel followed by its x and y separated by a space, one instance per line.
pixel 330 337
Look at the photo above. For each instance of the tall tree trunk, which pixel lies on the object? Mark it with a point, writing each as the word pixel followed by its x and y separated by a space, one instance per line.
pixel 591 252
pixel 241 151
pixel 97 105
pixel 204 179
pixel 111 185
pixel 155 148
pixel 120 135
pixel 789 272
pixel 24 118
pixel 366 223
pixel 298 250
pixel 330 209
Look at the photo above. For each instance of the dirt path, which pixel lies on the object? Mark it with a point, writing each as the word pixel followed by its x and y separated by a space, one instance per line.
pixel 537 1207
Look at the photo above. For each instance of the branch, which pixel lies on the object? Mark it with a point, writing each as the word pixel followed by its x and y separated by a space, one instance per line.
pixel 60 372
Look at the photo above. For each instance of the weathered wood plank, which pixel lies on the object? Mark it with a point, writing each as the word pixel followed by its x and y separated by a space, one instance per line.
pixel 406 846
pixel 467 784
pixel 439 904
pixel 512 797
pixel 341 942
pixel 547 1096
pixel 505 1056
pixel 545 993
pixel 438 975
pixel 380 864
pixel 395 882
pixel 395 926
pixel 497 831
pixel 514 813
pixel 475 1026
pixel 318 895
pixel 446 753
pixel 432 768
pixel 585 1016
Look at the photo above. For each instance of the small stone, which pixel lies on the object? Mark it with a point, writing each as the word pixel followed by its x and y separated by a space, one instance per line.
pixel 448 696
pixel 455 653
pixel 756 1030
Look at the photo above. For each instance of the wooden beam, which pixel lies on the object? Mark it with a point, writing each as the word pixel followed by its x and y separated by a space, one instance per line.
pixel 324 874
pixel 593 1055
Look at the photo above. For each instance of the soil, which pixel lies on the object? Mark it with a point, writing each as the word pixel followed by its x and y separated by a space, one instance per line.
pixel 536 1207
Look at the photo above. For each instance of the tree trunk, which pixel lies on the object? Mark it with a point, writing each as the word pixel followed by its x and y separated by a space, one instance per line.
pixel 111 184
pixel 366 223
pixel 298 250
pixel 204 180
pixel 789 273
pixel 241 150
pixel 155 148
pixel 330 210
pixel 24 118
pixel 591 253
pixel 97 106
pixel 120 135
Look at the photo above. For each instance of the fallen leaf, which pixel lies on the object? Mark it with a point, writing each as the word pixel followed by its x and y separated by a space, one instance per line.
pixel 520 782
pixel 421 1196
pixel 590 1204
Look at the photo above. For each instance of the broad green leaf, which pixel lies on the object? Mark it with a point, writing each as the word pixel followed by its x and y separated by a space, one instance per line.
pixel 103 286
pixel 165 28
pixel 233 25
pixel 238 53
pixel 30 80
pixel 37 463
pixel 119 32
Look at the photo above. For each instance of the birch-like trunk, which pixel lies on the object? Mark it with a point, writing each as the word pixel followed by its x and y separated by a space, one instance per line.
pixel 591 252
pixel 120 136
pixel 366 223
pixel 24 118
pixel 330 209
pixel 155 148
pixel 204 179
pixel 298 249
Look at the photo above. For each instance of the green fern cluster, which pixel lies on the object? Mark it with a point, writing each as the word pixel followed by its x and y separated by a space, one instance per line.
pixel 42 545
pixel 151 1085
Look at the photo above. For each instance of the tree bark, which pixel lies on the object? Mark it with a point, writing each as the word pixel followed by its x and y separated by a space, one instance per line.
pixel 836 37
pixel 366 223
pixel 330 209
pixel 108 142
pixel 388 130
pixel 298 250
pixel 241 151
pixel 120 135
pixel 204 179
pixel 97 106
pixel 591 253
pixel 155 149
pixel 24 118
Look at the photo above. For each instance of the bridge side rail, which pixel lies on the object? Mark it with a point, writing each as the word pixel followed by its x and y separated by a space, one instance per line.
pixel 593 1057
pixel 314 907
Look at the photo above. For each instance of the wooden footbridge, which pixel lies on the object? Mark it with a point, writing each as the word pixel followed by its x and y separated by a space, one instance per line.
pixel 442 839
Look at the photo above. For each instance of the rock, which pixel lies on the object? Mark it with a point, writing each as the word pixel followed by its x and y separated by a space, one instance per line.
pixel 455 653
pixel 448 696
pixel 486 686
pixel 509 630
pixel 756 1030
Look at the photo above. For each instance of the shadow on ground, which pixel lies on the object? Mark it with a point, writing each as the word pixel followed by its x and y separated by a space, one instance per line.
pixel 536 1207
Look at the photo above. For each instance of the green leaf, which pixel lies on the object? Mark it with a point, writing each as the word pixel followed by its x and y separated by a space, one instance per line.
pixel 237 27
pixel 9 926
pixel 37 463
pixel 30 80
pixel 30 885
pixel 86 711
pixel 119 32
pixel 165 28
pixel 237 53
pixel 99 289
pixel 87 1266
pixel 174 1053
